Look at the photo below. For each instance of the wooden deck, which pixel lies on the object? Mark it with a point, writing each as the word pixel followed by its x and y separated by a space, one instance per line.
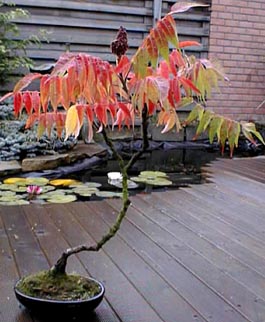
pixel 192 255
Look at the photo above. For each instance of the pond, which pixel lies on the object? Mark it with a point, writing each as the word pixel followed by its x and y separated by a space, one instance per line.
pixel 176 167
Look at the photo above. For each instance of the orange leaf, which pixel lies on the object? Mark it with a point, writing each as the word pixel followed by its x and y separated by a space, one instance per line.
pixel 31 120
pixel 60 121
pixel 25 81
pixel 152 50
pixel 161 43
pixel 44 92
pixel 55 91
pixel 6 96
pixel 65 93
pixel 188 43
pixel 35 101
pixel 167 26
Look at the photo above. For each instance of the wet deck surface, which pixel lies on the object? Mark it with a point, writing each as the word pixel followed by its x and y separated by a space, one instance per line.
pixel 194 254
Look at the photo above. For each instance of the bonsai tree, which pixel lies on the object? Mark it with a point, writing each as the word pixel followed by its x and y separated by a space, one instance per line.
pixel 155 80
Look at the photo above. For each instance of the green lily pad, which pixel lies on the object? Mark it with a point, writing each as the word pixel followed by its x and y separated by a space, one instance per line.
pixel 17 202
pixel 154 178
pixel 11 197
pixel 7 193
pixel 31 181
pixel 7 186
pixel 153 174
pixel 62 199
pixel 108 194
pixel 52 194
pixel 19 189
pixel 47 188
pixel 86 184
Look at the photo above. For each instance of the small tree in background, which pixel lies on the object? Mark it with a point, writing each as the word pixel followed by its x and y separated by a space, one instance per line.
pixel 13 51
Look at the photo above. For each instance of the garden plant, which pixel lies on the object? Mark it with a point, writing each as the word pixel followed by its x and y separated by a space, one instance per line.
pixel 156 80
pixel 12 50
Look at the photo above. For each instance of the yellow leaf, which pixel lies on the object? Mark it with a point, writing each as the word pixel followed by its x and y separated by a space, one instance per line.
pixel 72 123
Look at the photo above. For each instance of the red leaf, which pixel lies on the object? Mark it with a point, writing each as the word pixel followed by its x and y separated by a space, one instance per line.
pixel 123 66
pixel 18 103
pixel 35 102
pixel 100 111
pixel 60 122
pixel 175 90
pixel 25 81
pixel 188 43
pixel 65 61
pixel 27 102
pixel 188 84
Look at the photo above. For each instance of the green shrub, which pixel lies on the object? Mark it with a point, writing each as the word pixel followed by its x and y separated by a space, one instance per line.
pixel 12 50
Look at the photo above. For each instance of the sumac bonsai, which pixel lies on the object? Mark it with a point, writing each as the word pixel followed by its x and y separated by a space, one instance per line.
pixel 156 80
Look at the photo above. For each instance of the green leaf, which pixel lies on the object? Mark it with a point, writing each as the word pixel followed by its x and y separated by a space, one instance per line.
pixel 215 127
pixel 248 129
pixel 204 122
pixel 233 136
pixel 224 132
pixel 196 113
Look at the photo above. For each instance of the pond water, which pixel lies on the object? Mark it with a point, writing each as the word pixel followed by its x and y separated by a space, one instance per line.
pixel 181 166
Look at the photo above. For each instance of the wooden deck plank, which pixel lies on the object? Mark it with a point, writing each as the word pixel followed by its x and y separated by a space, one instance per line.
pixel 102 267
pixel 170 305
pixel 202 248
pixel 184 251
pixel 53 244
pixel 9 310
pixel 181 279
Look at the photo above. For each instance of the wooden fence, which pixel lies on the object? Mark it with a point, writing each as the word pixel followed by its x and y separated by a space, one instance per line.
pixel 90 26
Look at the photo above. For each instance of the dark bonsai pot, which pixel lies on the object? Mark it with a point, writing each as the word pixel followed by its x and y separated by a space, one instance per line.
pixel 66 309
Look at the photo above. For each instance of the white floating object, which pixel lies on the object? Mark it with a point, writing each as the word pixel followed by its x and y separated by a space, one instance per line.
pixel 114 176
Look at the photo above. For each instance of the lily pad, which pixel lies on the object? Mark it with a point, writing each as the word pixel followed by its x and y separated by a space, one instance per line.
pixel 47 188
pixel 86 184
pixel 153 174
pixel 63 182
pixel 16 181
pixel 154 178
pixel 17 202
pixel 108 194
pixel 7 186
pixel 36 181
pixel 62 199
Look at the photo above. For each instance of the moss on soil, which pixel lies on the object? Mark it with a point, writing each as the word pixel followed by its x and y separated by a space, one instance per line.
pixel 63 287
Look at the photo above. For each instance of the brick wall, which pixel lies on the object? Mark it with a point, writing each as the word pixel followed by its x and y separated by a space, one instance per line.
pixel 237 40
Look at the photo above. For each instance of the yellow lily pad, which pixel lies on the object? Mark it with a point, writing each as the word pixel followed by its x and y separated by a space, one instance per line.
pixel 16 181
pixel 63 182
